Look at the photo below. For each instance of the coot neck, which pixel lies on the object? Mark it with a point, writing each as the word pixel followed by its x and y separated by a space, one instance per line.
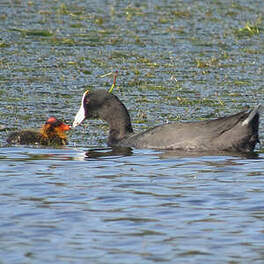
pixel 116 115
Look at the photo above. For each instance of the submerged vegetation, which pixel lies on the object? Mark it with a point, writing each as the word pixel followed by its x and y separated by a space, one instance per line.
pixel 197 55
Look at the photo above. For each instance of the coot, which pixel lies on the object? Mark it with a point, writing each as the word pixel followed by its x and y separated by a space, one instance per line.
pixel 51 133
pixel 238 132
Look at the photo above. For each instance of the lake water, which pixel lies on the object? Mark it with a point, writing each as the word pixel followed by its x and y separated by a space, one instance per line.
pixel 86 203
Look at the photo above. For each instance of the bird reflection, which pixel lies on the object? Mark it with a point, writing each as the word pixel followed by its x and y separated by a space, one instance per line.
pixel 108 152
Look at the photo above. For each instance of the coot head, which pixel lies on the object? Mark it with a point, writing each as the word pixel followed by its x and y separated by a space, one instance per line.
pixel 96 104
pixel 106 106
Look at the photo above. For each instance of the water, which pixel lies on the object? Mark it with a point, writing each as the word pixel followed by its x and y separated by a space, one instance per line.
pixel 67 205
pixel 86 203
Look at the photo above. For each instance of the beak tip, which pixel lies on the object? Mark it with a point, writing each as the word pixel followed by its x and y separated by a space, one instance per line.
pixel 75 124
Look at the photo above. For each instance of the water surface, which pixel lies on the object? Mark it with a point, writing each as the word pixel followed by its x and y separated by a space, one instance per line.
pixel 67 205
pixel 86 203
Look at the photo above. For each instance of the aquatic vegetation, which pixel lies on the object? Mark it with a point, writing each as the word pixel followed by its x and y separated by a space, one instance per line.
pixel 149 44
pixel 120 54
pixel 181 13
pixel 242 82
pixel 250 29
pixel 214 62
pixel 147 62
pixel 163 20
pixel 252 51
pixel 77 25
pixel 99 21
pixel 141 117
pixel 66 9
pixel 4 44
pixel 204 64
pixel 238 83
pixel 63 41
pixel 34 32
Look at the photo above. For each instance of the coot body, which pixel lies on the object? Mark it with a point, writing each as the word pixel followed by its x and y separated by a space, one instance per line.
pixel 238 132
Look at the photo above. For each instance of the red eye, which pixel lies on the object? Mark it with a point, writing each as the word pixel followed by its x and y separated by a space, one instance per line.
pixel 87 100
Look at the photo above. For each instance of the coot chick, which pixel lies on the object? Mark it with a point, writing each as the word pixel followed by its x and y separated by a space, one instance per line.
pixel 51 133
pixel 236 133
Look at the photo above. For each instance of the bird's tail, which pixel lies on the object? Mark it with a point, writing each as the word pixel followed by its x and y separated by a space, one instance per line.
pixel 251 115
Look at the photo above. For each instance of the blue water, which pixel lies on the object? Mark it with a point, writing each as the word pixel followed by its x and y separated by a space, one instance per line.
pixel 70 206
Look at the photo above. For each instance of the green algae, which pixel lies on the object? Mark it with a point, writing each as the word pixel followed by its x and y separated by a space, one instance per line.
pixel 34 32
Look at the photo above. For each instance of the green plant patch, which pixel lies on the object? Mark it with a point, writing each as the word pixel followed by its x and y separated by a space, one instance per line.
pixel 4 45
pixel 181 14
pixel 34 32
pixel 248 30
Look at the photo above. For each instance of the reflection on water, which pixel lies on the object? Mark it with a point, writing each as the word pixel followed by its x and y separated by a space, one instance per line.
pixel 109 152
pixel 94 205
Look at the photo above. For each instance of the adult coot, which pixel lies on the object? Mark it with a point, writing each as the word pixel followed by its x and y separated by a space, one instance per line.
pixel 238 132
